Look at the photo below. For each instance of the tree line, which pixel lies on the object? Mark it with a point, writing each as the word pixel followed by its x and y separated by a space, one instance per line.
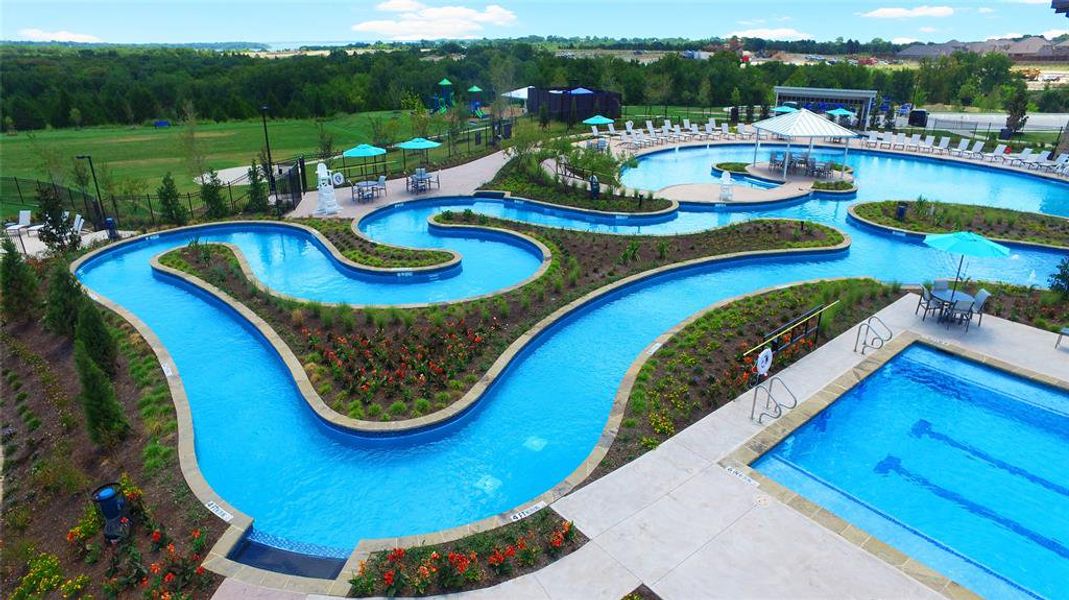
pixel 76 87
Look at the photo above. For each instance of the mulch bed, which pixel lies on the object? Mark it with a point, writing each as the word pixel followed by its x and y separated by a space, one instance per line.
pixel 387 364
pixel 366 252
pixel 51 466
pixel 938 217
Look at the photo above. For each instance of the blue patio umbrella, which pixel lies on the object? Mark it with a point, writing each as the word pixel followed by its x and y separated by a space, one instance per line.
pixel 417 143
pixel 597 120
pixel 580 91
pixel 784 109
pixel 840 112
pixel 965 243
pixel 363 151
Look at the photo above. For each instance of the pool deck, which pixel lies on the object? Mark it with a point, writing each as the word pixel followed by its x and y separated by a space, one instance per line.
pixel 679 522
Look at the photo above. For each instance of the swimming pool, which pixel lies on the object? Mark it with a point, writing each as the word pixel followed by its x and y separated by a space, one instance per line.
pixel 959 465
pixel 255 434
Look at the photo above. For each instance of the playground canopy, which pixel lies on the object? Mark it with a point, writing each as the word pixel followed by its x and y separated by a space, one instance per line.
pixel 445 81
pixel 474 89
pixel 801 124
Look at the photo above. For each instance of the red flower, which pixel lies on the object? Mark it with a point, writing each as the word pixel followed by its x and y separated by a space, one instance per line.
pixel 388 577
pixel 168 578
pixel 510 551
pixel 170 548
pixel 154 567
pixel 199 571
pixel 396 555
pixel 157 536
pixel 71 537
pixel 196 533
pixel 144 582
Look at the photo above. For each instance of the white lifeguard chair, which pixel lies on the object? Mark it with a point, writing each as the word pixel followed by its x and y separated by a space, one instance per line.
pixel 727 187
pixel 326 202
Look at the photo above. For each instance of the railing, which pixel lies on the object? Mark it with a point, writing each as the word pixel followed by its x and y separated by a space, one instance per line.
pixel 873 333
pixel 773 407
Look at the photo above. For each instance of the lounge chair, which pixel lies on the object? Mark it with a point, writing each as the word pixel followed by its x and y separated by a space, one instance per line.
pixel 594 130
pixel 887 139
pixel 686 123
pixel 943 147
pixel 872 141
pixel 1052 165
pixel 747 132
pixel 681 135
pixel 22 223
pixel 929 303
pixel 725 131
pixel 914 142
pixel 1034 161
pixel 976 152
pixel 928 144
pixel 963 145
pixel 711 131
pixel 698 134
pixel 613 132
pixel 997 154
pixel 1018 157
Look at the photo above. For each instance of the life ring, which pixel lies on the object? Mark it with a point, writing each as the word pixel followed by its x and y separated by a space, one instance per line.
pixel 764 361
pixel 337 178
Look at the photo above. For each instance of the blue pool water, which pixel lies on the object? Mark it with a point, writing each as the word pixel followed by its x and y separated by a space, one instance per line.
pixel 959 465
pixel 262 448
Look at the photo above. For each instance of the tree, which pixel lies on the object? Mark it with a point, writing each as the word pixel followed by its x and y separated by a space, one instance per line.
pixel 1016 109
pixel 736 100
pixel 257 191
pixel 58 232
pixel 969 93
pixel 65 299
pixel 189 144
pixel 76 117
pixel 543 115
pixel 211 194
pixel 326 142
pixel 21 299
pixel 1059 280
pixel 93 333
pixel 103 413
pixel 171 208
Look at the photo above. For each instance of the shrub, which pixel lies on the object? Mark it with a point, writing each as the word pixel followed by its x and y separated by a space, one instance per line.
pixel 1059 279
pixel 93 333
pixel 21 298
pixel 257 191
pixel 65 298
pixel 103 413
pixel 211 194
pixel 171 208
pixel 58 232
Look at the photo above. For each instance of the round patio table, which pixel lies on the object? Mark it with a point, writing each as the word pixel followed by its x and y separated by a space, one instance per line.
pixel 958 296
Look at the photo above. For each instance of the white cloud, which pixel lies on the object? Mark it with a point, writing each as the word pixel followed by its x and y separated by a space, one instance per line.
pixel 909 13
pixel 771 33
pixel 903 40
pixel 1053 33
pixel 418 21
pixel 984 10
pixel 751 22
pixel 40 35
pixel 928 30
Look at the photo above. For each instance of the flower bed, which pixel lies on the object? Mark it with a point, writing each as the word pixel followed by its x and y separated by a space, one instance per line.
pixel 479 560
pixel 372 254
pixel 388 364
pixel 734 167
pixel 929 216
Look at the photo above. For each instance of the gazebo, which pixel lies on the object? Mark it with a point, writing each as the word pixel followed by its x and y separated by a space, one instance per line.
pixel 801 124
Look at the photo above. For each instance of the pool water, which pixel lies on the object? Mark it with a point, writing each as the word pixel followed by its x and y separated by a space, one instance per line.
pixel 959 465
pixel 320 490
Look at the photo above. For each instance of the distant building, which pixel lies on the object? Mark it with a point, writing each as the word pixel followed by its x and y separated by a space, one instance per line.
pixel 586 102
pixel 1026 49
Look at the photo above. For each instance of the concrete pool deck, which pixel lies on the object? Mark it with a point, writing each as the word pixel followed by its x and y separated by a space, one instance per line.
pixel 679 522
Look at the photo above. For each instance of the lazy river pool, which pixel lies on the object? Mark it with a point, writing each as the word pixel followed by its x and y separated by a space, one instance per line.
pixel 319 490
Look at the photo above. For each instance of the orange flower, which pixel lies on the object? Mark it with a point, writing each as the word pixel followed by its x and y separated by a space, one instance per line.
pixel 196 533
pixel 155 568
pixel 170 548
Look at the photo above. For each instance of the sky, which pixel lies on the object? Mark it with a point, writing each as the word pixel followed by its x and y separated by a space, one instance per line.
pixel 307 21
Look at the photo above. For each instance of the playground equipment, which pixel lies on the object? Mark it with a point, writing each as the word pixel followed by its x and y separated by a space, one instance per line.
pixel 443 100
pixel 326 202
pixel 476 103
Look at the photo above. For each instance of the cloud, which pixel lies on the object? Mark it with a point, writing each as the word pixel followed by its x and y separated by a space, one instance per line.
pixel 751 22
pixel 928 30
pixel 1053 33
pixel 40 35
pixel 418 21
pixel 771 33
pixel 903 40
pixel 909 13
pixel 984 10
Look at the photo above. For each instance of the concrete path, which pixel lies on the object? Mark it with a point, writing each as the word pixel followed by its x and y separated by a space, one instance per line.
pixel 31 245
pixel 461 180
pixel 678 522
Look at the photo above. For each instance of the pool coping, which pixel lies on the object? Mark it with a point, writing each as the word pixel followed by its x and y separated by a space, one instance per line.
pixel 920 235
pixel 740 459
pixel 216 559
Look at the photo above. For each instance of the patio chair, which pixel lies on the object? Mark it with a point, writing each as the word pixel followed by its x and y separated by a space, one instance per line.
pixel 380 185
pixel 32 229
pixel 943 147
pixel 613 132
pixel 22 223
pixel 725 131
pixel 594 131
pixel 928 144
pixel 999 153
pixel 960 312
pixel 710 131
pixel 111 502
pixel 976 152
pixel 940 284
pixel 872 141
pixel 680 135
pixel 1016 158
pixel 900 142
pixel 698 134
pixel 978 306
pixel 963 145
pixel 1034 161
pixel 929 303
pixel 887 138
pixel 79 222
pixel 1052 165
pixel 914 142
pixel 686 123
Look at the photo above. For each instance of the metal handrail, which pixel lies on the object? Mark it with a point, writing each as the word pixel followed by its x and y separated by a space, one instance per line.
pixel 770 400
pixel 877 342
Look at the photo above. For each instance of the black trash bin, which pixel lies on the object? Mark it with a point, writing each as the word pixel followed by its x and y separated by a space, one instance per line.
pixel 900 211
pixel 1005 133
pixel 478 137
pixel 595 187
pixel 112 227
pixel 506 131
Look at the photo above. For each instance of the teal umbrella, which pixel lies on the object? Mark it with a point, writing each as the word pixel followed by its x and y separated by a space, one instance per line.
pixel 840 112
pixel 416 144
pixel 363 151
pixel 965 243
pixel 784 109
pixel 598 120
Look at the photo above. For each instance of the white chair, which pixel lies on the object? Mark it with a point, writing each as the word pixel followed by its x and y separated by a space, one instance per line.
pixel 872 140
pixel 681 135
pixel 963 145
pixel 613 132
pixel 1019 157
pixel 914 142
pixel 79 222
pixel 999 153
pixel 976 152
pixel 22 223
pixel 711 131
pixel 725 131
pixel 1034 161
pixel 900 142
pixel 594 130
pixel 928 144
pixel 978 306
pixel 1052 165
pixel 943 146
pixel 381 184
pixel 697 133
pixel 887 139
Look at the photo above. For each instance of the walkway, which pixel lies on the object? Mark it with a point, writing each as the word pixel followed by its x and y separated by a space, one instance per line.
pixel 678 522
pixel 461 180
pixel 31 245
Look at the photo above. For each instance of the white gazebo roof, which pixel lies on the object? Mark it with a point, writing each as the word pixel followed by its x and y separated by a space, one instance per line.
pixel 517 94
pixel 803 124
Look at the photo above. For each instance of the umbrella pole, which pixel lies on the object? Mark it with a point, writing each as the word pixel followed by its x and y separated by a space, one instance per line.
pixel 957 276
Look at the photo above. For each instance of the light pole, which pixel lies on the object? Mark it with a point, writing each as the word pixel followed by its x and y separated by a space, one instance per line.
pixel 98 205
pixel 267 143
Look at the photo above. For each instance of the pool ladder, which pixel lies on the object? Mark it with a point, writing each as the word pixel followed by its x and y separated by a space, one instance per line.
pixel 773 407
pixel 873 333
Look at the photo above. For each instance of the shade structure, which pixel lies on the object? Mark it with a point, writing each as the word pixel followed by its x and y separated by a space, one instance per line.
pixel 802 124
pixel 784 109
pixel 416 143
pixel 363 151
pixel 965 243
pixel 475 89
pixel 840 112
pixel 580 91
pixel 598 120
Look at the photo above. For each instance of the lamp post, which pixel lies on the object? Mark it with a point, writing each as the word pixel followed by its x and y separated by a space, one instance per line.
pixel 97 206
pixel 267 143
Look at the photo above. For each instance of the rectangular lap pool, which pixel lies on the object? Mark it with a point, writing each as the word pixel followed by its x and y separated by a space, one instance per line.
pixel 963 467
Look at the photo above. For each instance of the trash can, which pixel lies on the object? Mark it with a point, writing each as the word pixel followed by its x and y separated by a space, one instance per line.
pixel 506 131
pixel 478 137
pixel 595 187
pixel 918 118
pixel 1005 133
pixel 112 227
pixel 900 211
